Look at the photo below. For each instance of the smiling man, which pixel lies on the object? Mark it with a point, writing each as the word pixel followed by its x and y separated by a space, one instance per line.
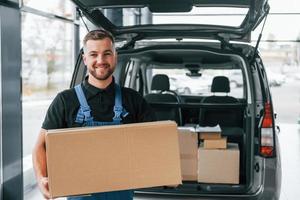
pixel 100 58
pixel 97 101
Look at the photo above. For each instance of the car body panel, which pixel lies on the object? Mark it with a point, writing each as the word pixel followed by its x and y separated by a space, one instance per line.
pixel 257 11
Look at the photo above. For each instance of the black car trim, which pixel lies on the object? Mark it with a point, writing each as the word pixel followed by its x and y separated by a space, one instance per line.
pixel 183 46
pixel 142 3
pixel 79 71
pixel 243 193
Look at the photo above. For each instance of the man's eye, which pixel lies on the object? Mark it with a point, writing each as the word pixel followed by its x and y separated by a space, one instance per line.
pixel 93 55
pixel 107 53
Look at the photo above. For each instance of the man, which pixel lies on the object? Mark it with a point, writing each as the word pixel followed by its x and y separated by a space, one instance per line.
pixel 106 101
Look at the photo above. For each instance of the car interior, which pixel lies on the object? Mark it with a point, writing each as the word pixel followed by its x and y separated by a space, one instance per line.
pixel 160 92
pixel 223 117
pixel 209 101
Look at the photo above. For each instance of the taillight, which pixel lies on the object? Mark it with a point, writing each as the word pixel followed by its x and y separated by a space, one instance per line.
pixel 267 133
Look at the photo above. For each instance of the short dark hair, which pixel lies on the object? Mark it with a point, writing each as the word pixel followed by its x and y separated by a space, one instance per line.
pixel 98 35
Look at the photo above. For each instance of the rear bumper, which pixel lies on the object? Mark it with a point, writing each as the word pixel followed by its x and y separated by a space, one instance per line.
pixel 258 195
pixel 202 197
pixel 272 179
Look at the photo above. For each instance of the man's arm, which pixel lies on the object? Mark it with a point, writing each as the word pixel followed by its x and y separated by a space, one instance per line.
pixel 40 164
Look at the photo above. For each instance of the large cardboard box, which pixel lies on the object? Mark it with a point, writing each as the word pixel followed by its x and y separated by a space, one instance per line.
pixel 188 145
pixel 110 158
pixel 219 165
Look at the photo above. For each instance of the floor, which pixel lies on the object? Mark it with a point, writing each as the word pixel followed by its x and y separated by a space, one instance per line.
pixel 289 138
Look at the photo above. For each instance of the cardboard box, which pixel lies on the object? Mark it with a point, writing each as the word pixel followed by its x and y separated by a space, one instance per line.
pixel 219 165
pixel 210 135
pixel 111 158
pixel 188 145
pixel 216 143
pixel 208 132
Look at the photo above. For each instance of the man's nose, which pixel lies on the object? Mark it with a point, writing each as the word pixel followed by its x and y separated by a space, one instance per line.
pixel 100 59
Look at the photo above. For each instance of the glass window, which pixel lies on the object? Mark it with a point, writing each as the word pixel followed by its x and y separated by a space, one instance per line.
pixel 82 31
pixel 198 15
pixel 62 8
pixel 213 16
pixel 279 27
pixel 47 65
pixel 282 64
pixel 128 77
pixel 282 58
pixel 287 6
pixel 183 84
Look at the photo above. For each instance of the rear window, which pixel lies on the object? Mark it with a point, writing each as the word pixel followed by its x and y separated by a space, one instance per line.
pixel 200 85
pixel 229 16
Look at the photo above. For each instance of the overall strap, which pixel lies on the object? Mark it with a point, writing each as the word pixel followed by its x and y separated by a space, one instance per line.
pixel 118 108
pixel 84 112
pixel 98 123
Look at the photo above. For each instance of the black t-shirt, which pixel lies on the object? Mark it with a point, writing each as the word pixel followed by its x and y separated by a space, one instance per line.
pixel 63 110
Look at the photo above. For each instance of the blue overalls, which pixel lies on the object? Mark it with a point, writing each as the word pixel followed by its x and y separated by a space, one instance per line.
pixel 84 117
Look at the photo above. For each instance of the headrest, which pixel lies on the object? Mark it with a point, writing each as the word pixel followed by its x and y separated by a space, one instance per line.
pixel 220 84
pixel 160 82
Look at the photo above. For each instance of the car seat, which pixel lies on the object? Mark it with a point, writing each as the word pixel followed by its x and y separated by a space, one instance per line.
pixel 223 116
pixel 161 93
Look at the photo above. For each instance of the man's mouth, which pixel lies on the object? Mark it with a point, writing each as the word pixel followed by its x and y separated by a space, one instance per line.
pixel 102 66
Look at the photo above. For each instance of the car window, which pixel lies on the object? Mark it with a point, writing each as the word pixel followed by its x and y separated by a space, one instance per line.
pixel 184 84
pixel 128 74
pixel 198 15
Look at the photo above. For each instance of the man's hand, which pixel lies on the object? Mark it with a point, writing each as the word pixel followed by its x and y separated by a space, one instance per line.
pixel 40 164
pixel 44 188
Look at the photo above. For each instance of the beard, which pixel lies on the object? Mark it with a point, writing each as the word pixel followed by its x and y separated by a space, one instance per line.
pixel 102 74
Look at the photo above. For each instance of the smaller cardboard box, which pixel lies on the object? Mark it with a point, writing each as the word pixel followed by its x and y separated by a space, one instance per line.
pixel 216 143
pixel 188 145
pixel 111 158
pixel 219 165
pixel 209 133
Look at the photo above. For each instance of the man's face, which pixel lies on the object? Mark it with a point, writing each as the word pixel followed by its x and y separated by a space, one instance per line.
pixel 100 58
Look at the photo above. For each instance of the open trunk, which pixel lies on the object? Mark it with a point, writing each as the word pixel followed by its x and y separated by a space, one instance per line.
pixel 140 65
pixel 237 135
